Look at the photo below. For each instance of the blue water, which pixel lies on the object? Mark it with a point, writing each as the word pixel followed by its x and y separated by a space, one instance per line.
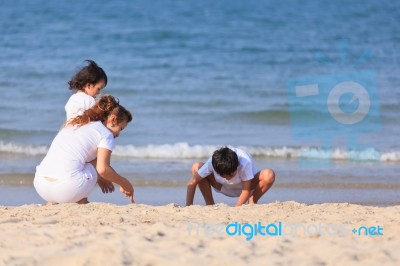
pixel 202 74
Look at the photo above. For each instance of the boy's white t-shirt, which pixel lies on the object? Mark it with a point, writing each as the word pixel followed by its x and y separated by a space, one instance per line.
pixel 72 148
pixel 78 103
pixel 245 171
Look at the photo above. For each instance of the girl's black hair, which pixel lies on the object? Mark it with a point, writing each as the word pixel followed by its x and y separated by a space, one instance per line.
pixel 90 74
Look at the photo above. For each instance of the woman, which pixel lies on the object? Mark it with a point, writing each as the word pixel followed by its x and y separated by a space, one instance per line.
pixel 79 156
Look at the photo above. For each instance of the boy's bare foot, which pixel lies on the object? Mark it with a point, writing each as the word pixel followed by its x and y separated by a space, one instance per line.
pixel 251 200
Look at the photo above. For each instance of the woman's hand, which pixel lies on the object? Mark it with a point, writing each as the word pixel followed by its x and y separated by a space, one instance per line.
pixel 104 169
pixel 128 191
pixel 105 185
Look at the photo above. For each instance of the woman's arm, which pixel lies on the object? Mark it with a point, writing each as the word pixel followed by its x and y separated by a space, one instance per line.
pixel 105 170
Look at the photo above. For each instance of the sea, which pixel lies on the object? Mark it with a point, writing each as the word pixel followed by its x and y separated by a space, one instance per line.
pixel 311 89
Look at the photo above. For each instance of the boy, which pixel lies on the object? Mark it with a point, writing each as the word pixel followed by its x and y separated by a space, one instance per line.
pixel 229 171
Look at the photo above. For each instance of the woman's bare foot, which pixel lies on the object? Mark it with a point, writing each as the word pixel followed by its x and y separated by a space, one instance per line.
pixel 83 201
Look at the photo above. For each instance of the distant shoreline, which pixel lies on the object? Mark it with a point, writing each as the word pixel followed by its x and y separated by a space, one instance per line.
pixel 161 195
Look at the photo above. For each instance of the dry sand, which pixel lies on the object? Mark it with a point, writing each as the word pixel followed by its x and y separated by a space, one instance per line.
pixel 106 234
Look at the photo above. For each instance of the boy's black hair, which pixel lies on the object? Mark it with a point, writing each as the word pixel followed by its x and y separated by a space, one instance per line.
pixel 225 161
pixel 90 74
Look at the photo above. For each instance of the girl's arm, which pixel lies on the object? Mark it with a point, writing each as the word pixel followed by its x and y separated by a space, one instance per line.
pixel 105 170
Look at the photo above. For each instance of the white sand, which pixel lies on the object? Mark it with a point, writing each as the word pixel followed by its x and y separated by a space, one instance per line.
pixel 106 234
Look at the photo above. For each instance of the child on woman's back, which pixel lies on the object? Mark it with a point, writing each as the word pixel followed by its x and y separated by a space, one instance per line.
pixel 87 84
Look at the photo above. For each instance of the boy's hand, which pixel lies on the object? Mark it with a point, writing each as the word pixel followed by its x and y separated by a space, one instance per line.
pixel 132 200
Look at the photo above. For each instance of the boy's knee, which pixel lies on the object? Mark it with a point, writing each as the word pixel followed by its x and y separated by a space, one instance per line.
pixel 194 180
pixel 268 176
pixel 196 166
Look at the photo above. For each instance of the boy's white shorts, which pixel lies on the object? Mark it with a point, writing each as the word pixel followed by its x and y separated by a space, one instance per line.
pixel 233 193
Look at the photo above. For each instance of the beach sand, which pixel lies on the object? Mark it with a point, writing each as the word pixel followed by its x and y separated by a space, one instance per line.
pixel 107 234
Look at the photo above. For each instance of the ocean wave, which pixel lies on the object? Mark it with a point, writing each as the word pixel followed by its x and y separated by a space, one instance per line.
pixel 183 151
pixel 25 149
pixel 166 151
